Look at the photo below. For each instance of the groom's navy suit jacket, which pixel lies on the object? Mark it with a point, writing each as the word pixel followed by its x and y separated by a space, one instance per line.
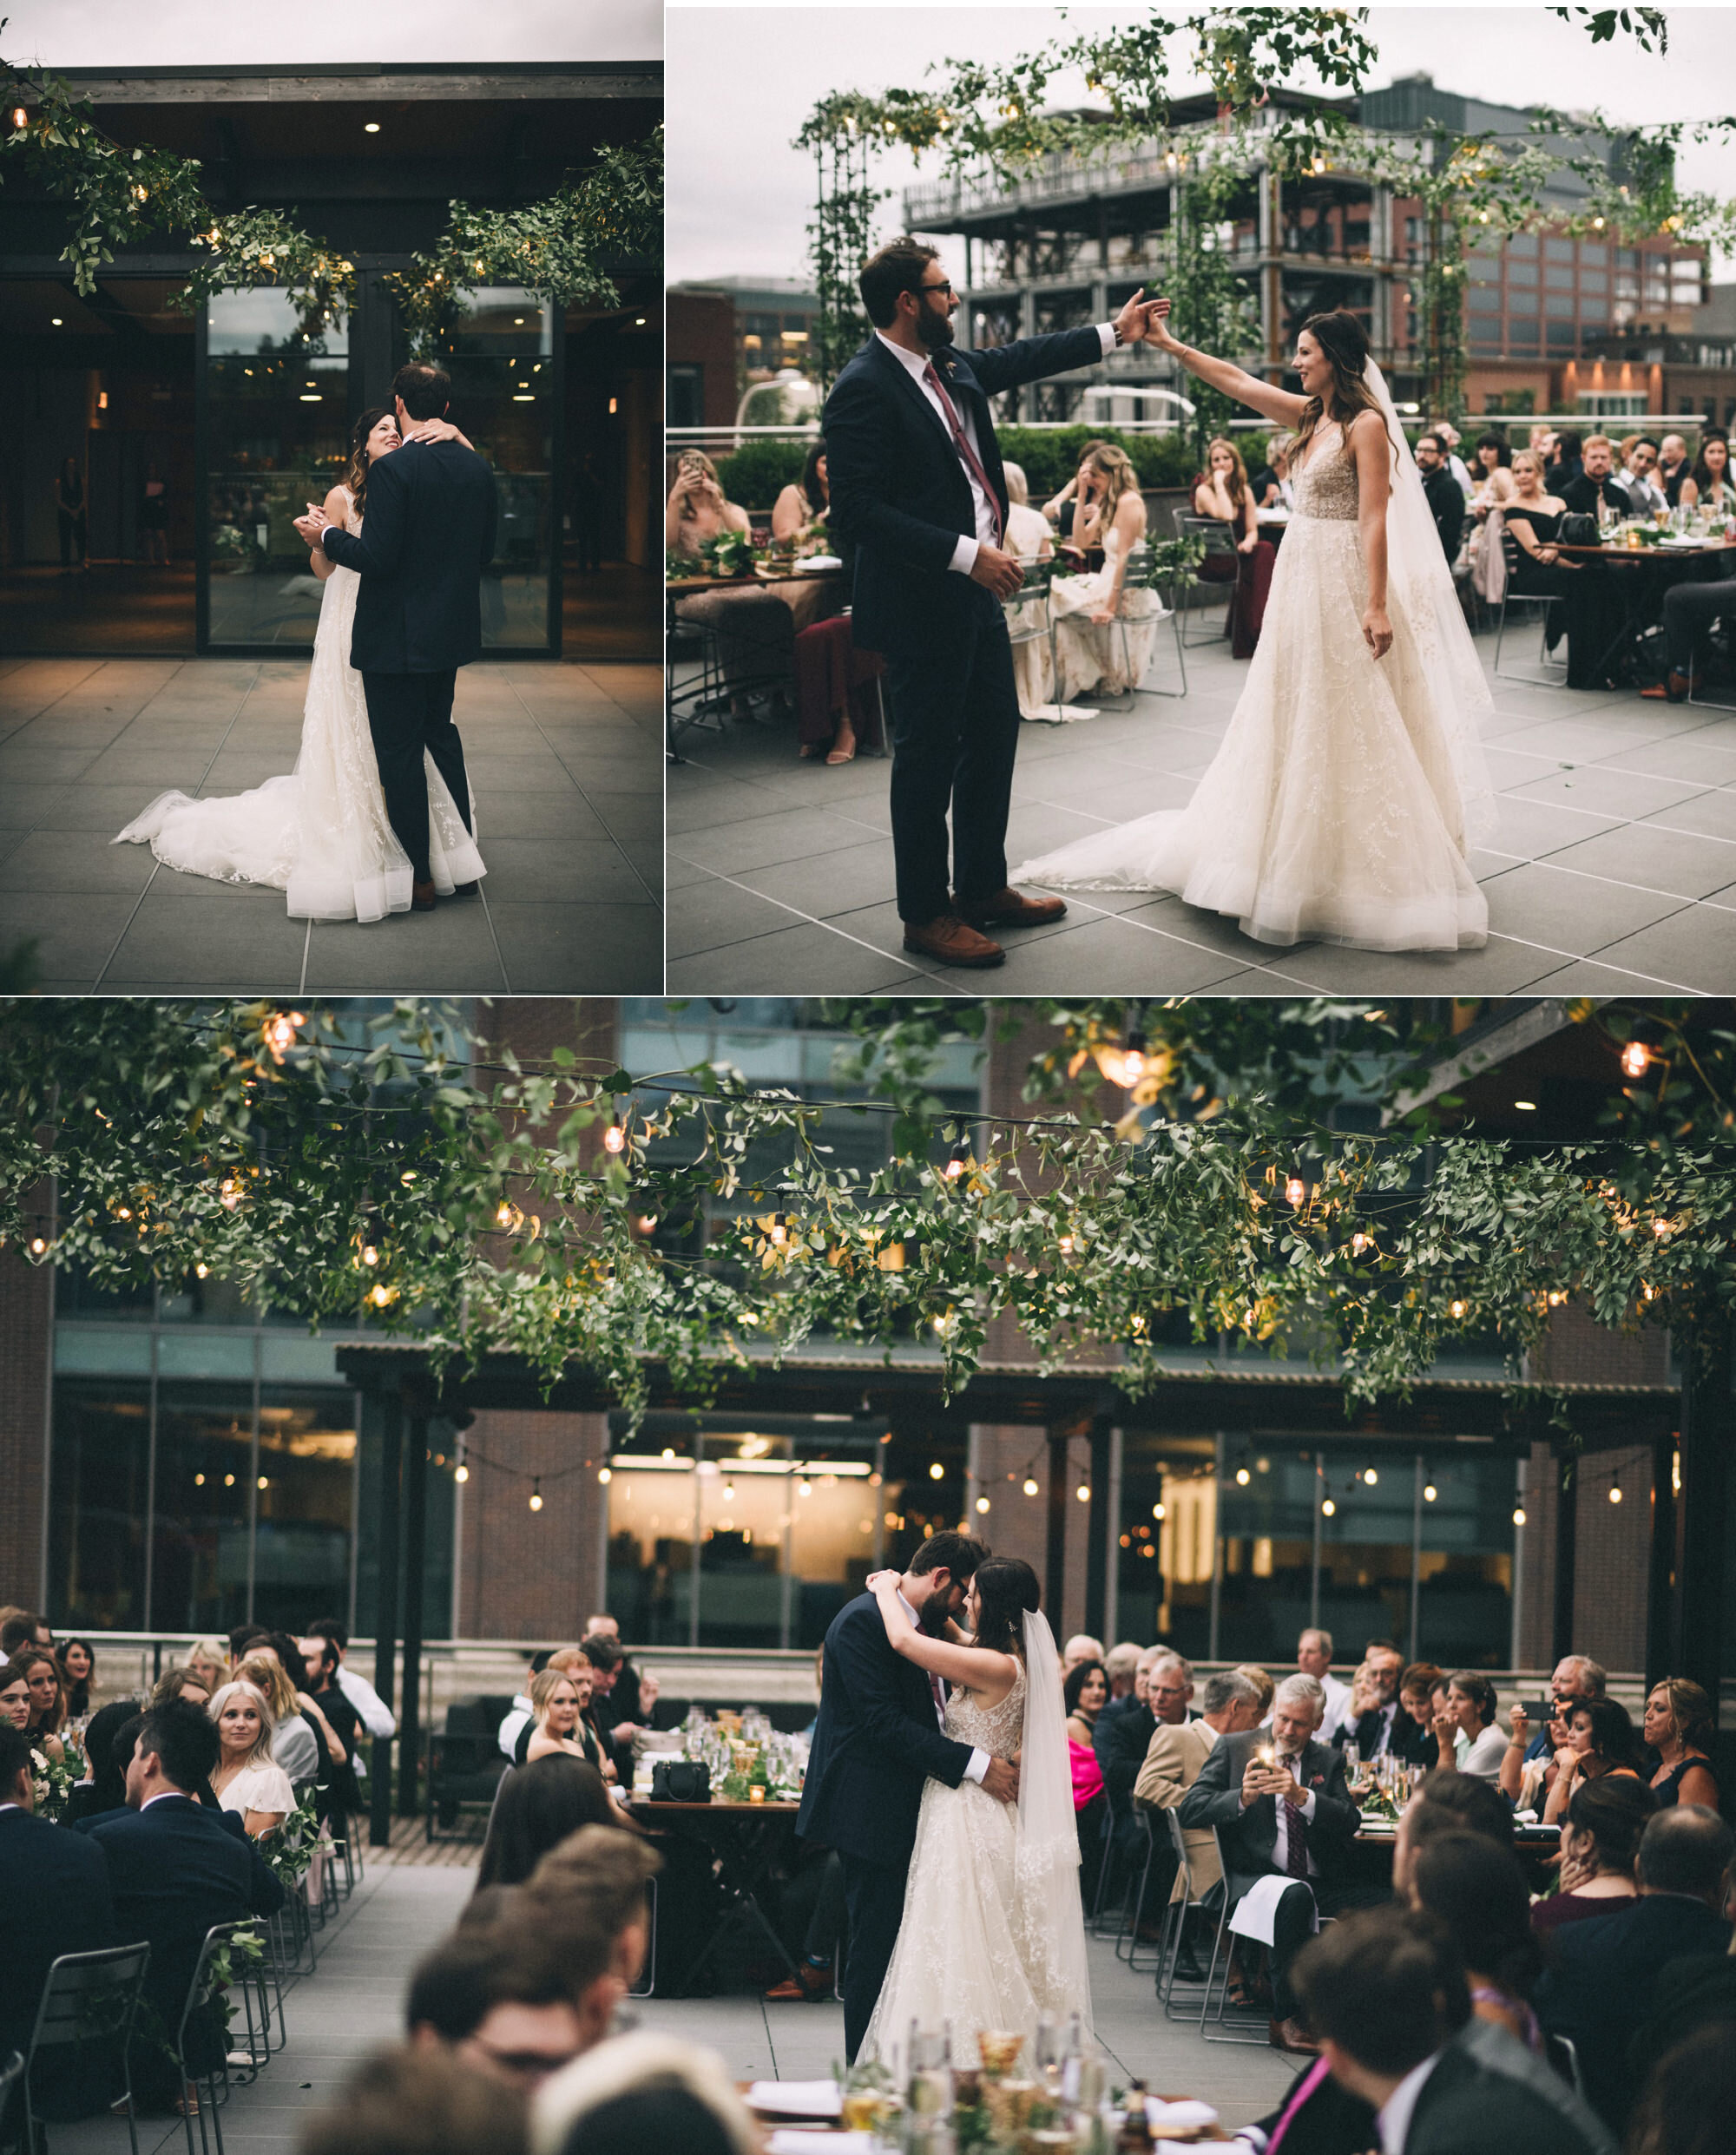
pixel 429 535
pixel 898 488
pixel 875 1741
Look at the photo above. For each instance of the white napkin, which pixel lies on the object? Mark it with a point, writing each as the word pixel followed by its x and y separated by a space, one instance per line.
pixel 793 2141
pixel 1183 2117
pixel 797 2099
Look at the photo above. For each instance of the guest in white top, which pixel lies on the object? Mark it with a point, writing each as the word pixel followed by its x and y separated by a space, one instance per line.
pixel 246 1779
pixel 1464 1724
pixel 1314 1657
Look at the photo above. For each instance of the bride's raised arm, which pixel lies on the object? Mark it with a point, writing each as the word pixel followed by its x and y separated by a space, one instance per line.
pixel 974 1668
pixel 1264 397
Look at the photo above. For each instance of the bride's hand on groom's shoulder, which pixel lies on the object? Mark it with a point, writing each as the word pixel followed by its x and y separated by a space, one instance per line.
pixel 877 1582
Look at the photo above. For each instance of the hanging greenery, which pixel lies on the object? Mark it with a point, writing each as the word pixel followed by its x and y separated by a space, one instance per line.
pixel 564 251
pixel 841 236
pixel 557 1213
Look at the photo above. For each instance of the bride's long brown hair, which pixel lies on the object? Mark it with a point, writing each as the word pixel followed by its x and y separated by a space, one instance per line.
pixel 355 478
pixel 1341 336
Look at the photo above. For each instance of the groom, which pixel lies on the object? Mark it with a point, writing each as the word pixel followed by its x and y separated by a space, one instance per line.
pixel 877 1740
pixel 916 485
pixel 429 535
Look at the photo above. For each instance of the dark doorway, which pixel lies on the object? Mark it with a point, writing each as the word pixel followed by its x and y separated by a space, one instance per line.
pixel 611 589
pixel 106 385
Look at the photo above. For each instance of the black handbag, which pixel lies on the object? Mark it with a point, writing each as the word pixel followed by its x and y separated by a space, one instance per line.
pixel 680 1781
pixel 1578 529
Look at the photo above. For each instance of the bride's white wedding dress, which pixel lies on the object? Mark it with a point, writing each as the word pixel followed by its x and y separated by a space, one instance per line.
pixel 1348 790
pixel 319 833
pixel 993 1934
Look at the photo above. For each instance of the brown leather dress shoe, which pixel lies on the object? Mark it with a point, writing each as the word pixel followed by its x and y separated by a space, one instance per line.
pixel 808 1984
pixel 422 897
pixel 947 939
pixel 1291 2035
pixel 1011 908
pixel 1673 690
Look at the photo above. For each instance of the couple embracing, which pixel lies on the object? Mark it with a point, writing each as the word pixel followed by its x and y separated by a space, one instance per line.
pixel 939 1773
pixel 377 816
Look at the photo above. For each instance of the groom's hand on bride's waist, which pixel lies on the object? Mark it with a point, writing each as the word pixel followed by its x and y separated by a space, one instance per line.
pixel 1001 1779
pixel 998 571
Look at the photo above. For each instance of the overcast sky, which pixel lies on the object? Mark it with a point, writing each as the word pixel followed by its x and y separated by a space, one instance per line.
pixel 741 80
pixel 218 33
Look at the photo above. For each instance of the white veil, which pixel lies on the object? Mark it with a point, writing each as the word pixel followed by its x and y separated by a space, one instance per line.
pixel 1420 586
pixel 1047 1906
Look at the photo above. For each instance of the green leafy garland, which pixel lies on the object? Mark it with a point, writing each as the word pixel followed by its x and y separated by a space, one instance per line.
pixel 512 1210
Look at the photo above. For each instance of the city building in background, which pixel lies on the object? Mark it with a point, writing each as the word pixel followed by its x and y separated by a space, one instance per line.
pixel 731 336
pixel 1553 323
pixel 235 415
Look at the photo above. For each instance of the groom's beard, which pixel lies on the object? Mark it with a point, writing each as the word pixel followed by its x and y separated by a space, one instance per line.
pixel 932 1617
pixel 934 330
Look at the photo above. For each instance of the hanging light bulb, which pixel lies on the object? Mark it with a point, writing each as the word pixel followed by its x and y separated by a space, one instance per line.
pixel 1242 1477
pixel 614 1137
pixel 1615 1490
pixel 805 1488
pixel 1328 1509
pixel 1456 1309
pixel 369 1254
pixel 1083 1493
pixel 1518 1514
pixel 1030 1486
pixel 1133 1066
pixel 780 1231
pixel 1369 1476
pixel 1636 1059
pixel 1065 1245
pixel 958 1159
pixel 201 1271
pixel 981 1503
pixel 605 1475
pixel 461 1472
pixel 37 1246
pixel 1295 1191
pixel 536 1495
pixel 936 1472
pixel 1159 1511
pixel 1430 1492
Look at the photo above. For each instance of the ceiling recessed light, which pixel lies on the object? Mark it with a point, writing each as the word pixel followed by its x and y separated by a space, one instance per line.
pixel 55 320
pixel 639 321
pixel 1526 1106
pixel 370 127
pixel 518 321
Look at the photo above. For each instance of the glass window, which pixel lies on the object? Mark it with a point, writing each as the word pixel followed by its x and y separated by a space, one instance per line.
pixel 97 1503
pixel 832 1506
pixel 1558 250
pixel 1485 337
pixel 1592 280
pixel 1484 302
pixel 76 1298
pixel 686 389
pixel 651 1543
pixel 1559 304
pixel 1521 273
pixel 1593 255
pixel 1521 335
pixel 1562 337
pixel 306 1483
pixel 1365 1550
pixel 1558 280
pixel 1465 1615
pixel 1522 245
pixel 204 1501
pixel 278 398
pixel 745 1492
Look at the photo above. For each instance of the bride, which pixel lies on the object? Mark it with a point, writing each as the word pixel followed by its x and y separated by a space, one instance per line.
pixel 1351 783
pixel 321 832
pixel 993 1932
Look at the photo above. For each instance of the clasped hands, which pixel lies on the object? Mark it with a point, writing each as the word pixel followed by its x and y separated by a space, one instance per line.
pixel 316 520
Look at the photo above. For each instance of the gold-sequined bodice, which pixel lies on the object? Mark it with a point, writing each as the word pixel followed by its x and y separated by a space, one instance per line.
pixel 1326 485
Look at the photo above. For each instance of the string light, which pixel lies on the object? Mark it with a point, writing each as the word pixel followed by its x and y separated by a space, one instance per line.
pixel 1456 1309
pixel 1295 1191
pixel 536 1494
pixel 1159 1511
pixel 1030 1486
pixel 981 1503
pixel 1328 1509
pixel 37 1246
pixel 605 1475
pixel 1430 1492
pixel 461 1472
pixel 1242 1477
pixel 958 1159
pixel 1615 1490
pixel 1369 1476
pixel 1636 1059
pixel 781 1230
pixel 1518 1514
pixel 1083 1493
pixel 935 1472
pixel 1065 1245
pixel 614 1137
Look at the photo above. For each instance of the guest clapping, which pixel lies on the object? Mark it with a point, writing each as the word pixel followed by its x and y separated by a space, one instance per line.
pixel 798 514
pixel 245 1780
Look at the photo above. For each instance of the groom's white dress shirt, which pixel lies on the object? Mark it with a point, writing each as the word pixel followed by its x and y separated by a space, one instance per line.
pixel 915 364
pixel 979 1757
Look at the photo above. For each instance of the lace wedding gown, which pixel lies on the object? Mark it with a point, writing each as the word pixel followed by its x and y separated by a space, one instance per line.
pixel 1334 810
pixel 319 833
pixel 1105 660
pixel 981 1944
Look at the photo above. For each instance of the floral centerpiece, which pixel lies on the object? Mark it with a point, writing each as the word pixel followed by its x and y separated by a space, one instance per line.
pixel 51 1782
pixel 730 554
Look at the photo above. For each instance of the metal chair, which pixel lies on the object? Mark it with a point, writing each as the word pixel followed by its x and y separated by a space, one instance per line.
pixel 90 1998
pixel 1133 1904
pixel 1562 2053
pixel 11 2071
pixel 1174 585
pixel 1027 613
pixel 1175 1923
pixel 1220 546
pixel 205 1995
pixel 1554 671
pixel 1228 2031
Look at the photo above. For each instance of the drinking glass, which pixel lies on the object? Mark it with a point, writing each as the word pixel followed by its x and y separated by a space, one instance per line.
pixel 1046 2050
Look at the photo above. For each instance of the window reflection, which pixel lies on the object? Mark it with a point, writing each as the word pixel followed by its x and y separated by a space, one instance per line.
pixel 306 1473
pixel 97 1503
pixel 204 1473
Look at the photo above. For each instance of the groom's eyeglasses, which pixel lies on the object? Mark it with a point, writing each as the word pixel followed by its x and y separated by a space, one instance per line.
pixel 945 285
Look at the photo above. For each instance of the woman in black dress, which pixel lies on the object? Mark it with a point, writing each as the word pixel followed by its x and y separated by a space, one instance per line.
pixel 1536 569
pixel 1678 1729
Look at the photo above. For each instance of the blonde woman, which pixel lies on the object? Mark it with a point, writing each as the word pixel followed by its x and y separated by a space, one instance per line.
pixel 558 1699
pixel 208 1660
pixel 246 1779
pixel 294 1746
pixel 1103 632
pixel 1029 536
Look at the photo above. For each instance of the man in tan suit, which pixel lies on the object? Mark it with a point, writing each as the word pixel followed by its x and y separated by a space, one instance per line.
pixel 1175 1756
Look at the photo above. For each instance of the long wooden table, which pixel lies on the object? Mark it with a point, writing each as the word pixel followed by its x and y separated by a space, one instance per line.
pixel 1652 556
pixel 739 1836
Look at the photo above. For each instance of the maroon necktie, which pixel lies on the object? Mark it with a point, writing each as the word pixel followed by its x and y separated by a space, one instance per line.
pixel 1295 1833
pixel 973 463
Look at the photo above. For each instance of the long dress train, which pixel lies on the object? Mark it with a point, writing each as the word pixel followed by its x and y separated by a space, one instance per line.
pixel 1335 808
pixel 320 832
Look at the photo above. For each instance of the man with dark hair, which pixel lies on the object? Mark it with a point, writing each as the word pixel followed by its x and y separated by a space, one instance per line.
pixel 54 1899
pixel 175 1871
pixel 917 487
pixel 1448 1803
pixel 879 1737
pixel 1641 479
pixel 429 535
pixel 1388 2001
pixel 417 2099
pixel 375 1715
pixel 1445 498
pixel 503 2000
pixel 242 1638
pixel 22 1629
pixel 1604 1980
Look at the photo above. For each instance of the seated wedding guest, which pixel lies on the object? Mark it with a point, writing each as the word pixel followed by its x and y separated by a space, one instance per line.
pixel 294 1666
pixel 175 1872
pixel 1600 1842
pixel 294 1745
pixel 1029 538
pixel 1266 1685
pixel 624 1698
pixel 607 1661
pixel 1179 1750
pixel 1287 1814
pixel 1120 1665
pixel 599 1877
pixel 1384 1993
pixel 1678 1725
pixel 1122 1740
pixel 1061 509
pixel 1314 1657
pixel 643 2095
pixel 799 513
pixel 1271 484
pixel 207 1659
pixel 376 1718
pixel 1597 481
pixel 1442 493
pixel 538 1807
pixel 557 1726
pixel 1081 1648
pixel 245 1779
pixel 1564 461
pixel 411 2100
pixel 1449 438
pixel 513 1729
pixel 1707 484
pixel 1539 569
pixel 1414 1738
pixel 41 1673
pixel 109 1742
pixel 22 1627
pixel 1374 1720
pixel 1675 466
pixel 1639 477
pixel 181 1684
pixel 1223 492
pixel 1491 478
pixel 1085 1691
pixel 1448 1803
pixel 1690 2095
pixel 499 2000
pixel 78 1665
pixel 1600 1740
pixel 16 1704
pixel 1575 1677
pixel 53 1893
pixel 1692 611
pixel 243 1639
pixel 1477 1892
pixel 1092 654
pixel 1603 1981
pixel 755 623
pixel 1465 1726
pixel 342 1795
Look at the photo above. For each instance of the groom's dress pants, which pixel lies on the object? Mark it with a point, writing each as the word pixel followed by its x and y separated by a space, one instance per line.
pixel 955 713
pixel 874 1897
pixel 408 713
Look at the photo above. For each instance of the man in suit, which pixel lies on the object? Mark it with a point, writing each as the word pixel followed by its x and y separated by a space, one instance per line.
pixel 1389 2002
pixel 1171 1767
pixel 54 1890
pixel 877 1740
pixel 1446 501
pixel 1283 1809
pixel 1604 1980
pixel 1164 1684
pixel 918 489
pixel 429 535
pixel 1371 1719
pixel 175 1872
pixel 1596 483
